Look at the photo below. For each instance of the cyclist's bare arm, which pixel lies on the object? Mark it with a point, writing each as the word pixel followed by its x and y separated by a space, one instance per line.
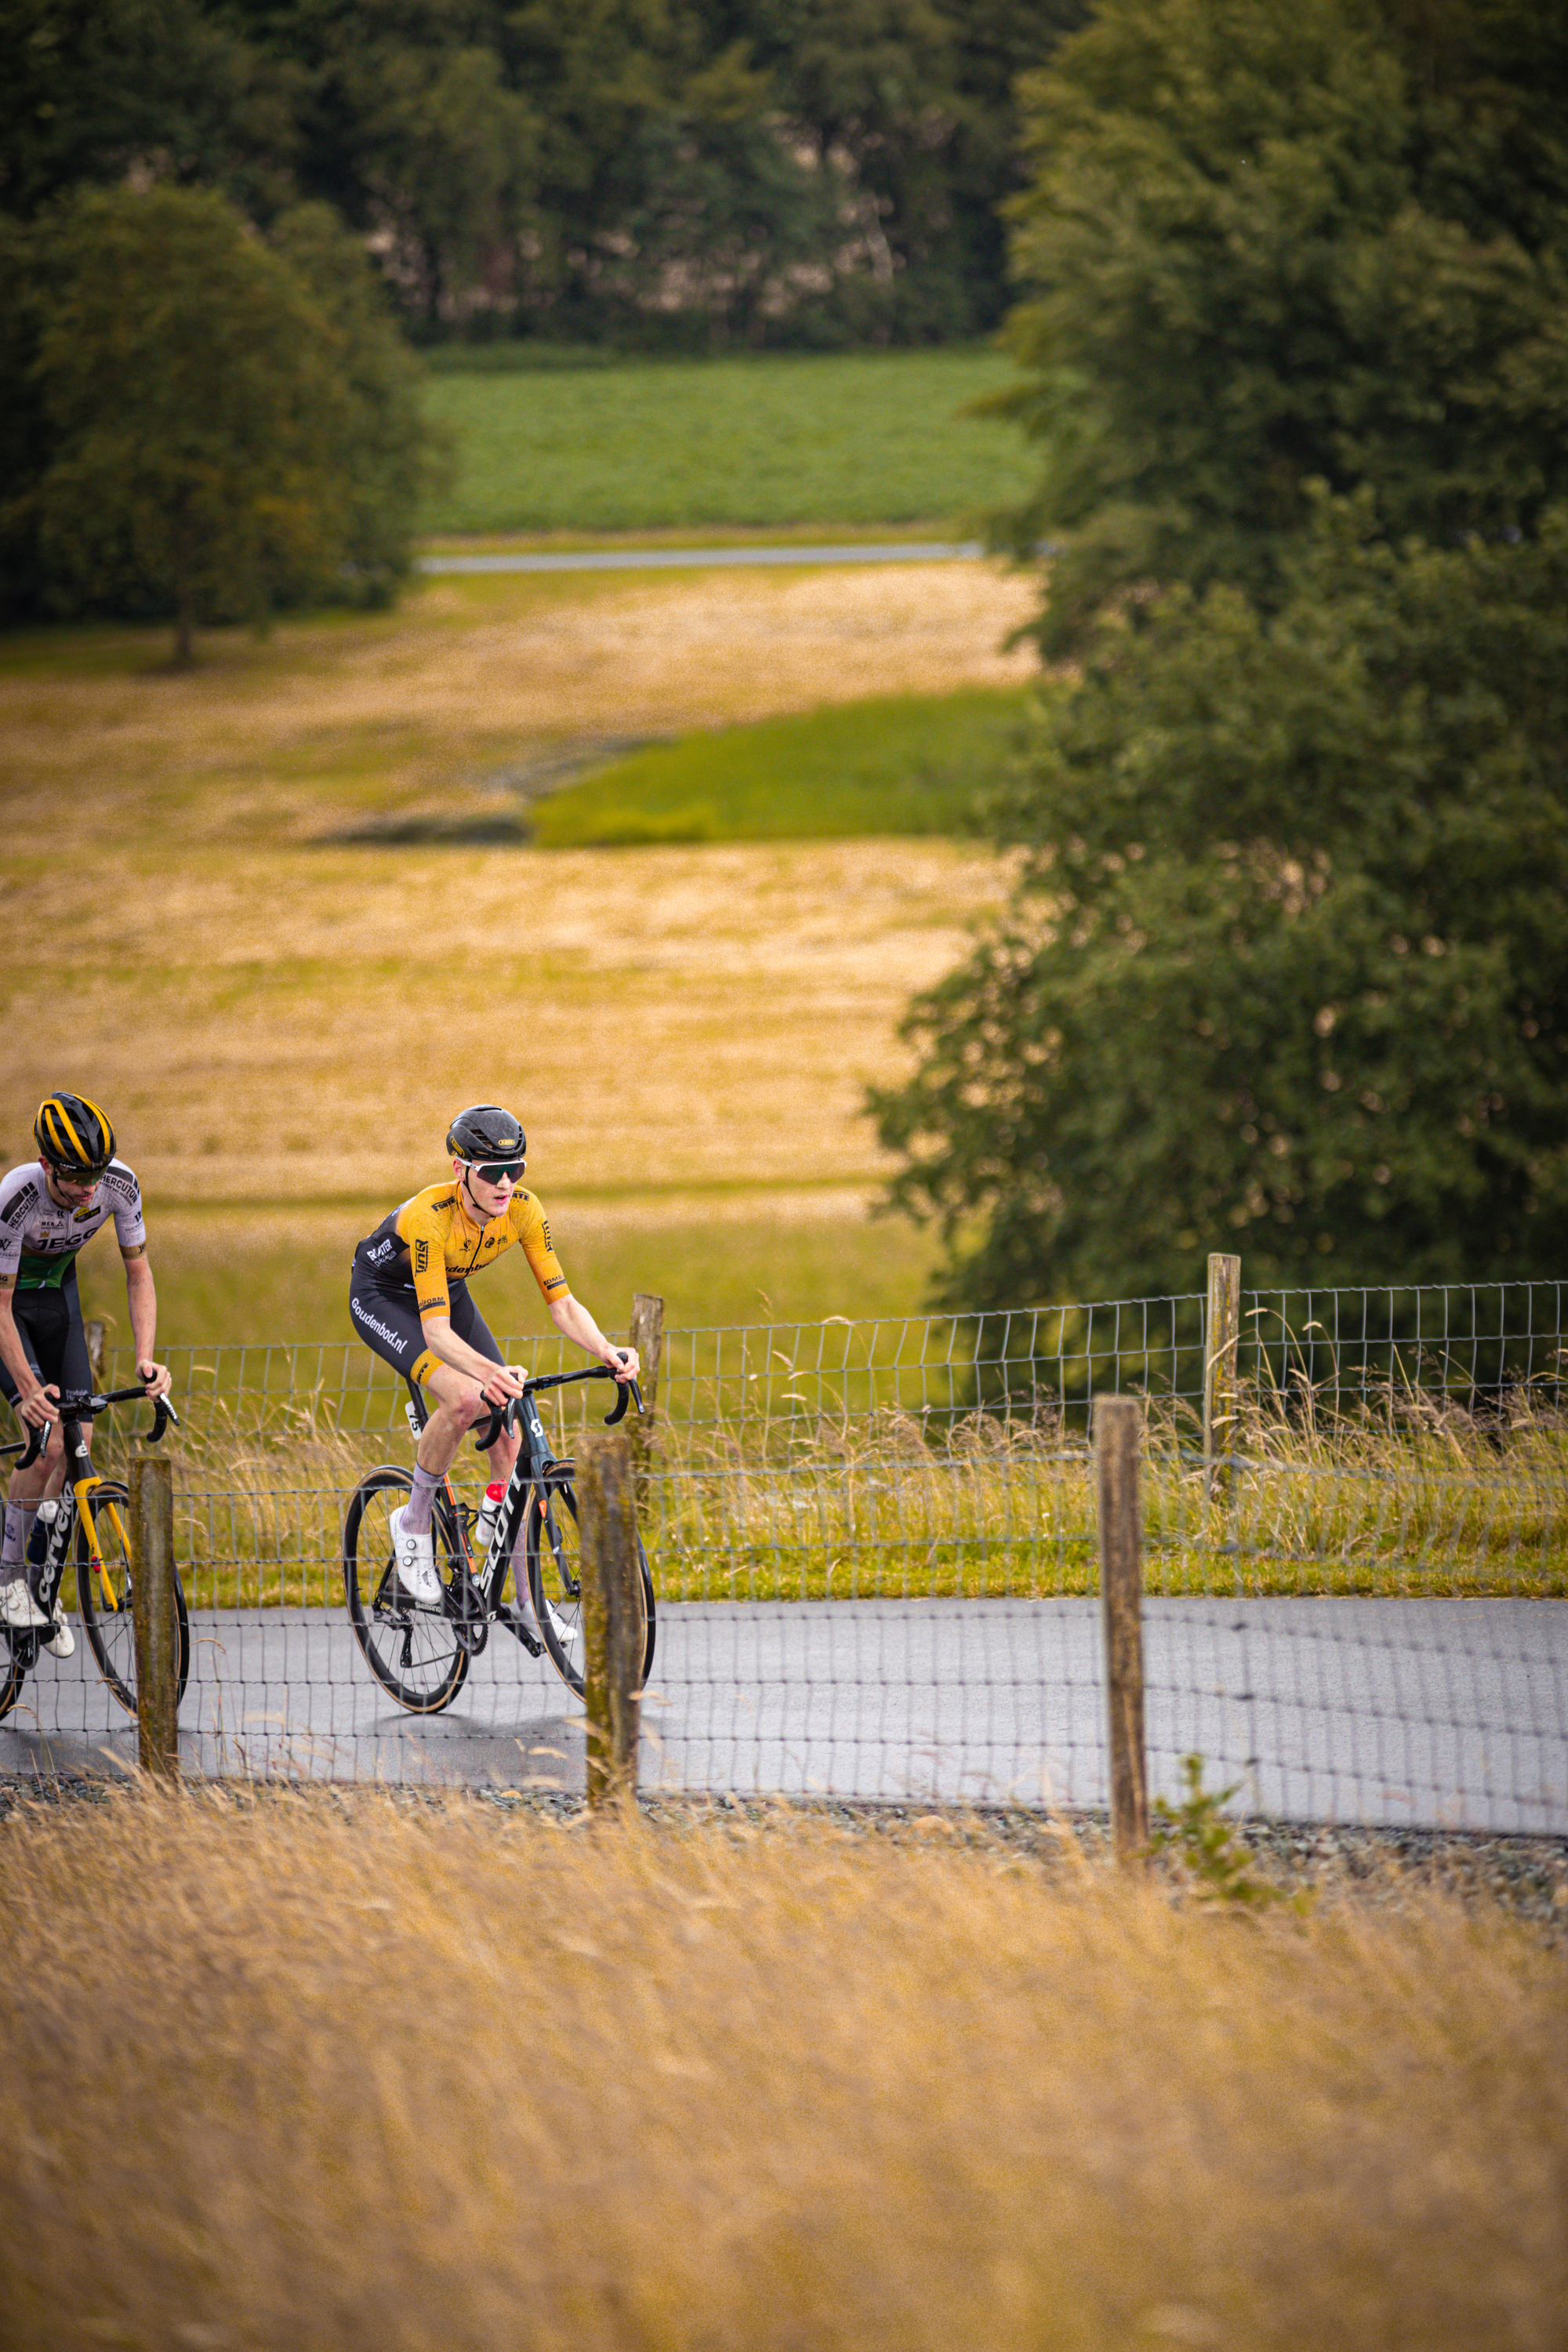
pixel 573 1321
pixel 36 1403
pixel 142 1300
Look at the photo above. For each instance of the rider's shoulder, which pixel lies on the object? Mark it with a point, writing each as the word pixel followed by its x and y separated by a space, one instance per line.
pixel 524 1207
pixel 21 1189
pixel 434 1200
pixel 120 1181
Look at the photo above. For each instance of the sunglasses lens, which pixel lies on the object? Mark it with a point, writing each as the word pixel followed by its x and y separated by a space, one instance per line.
pixel 499 1174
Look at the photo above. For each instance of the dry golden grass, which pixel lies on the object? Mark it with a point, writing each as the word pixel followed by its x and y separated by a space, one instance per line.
pixel 329 715
pixel 301 1024
pixel 273 1021
pixel 367 2075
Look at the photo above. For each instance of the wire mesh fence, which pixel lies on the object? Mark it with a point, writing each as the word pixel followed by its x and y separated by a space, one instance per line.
pixel 874 1545
pixel 1368 1355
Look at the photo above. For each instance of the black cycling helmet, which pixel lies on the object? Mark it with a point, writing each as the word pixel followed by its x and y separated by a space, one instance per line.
pixel 485 1133
pixel 73 1136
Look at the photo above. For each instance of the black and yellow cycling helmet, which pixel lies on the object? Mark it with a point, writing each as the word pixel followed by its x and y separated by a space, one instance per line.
pixel 486 1135
pixel 73 1136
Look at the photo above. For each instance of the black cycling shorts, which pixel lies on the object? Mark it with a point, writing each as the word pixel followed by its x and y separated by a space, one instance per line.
pixel 50 1325
pixel 387 1317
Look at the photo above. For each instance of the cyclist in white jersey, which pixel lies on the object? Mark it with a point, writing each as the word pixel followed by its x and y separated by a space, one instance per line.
pixel 50 1208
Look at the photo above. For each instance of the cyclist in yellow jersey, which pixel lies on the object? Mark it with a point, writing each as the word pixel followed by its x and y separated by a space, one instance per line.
pixel 409 1298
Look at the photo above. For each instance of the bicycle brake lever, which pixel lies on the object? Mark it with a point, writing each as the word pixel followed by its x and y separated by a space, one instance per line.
pixel 38 1438
pixel 629 1390
pixel 162 1414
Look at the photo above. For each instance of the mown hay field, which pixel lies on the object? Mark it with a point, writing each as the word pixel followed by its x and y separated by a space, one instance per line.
pixel 275 1021
pixel 340 2073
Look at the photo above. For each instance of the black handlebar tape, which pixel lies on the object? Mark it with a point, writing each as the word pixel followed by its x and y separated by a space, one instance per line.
pixel 38 1438
pixel 629 1390
pixel 502 1416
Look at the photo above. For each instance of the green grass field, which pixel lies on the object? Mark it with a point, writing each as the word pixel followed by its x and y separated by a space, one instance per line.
pixel 870 437
pixel 898 764
pixel 270 1274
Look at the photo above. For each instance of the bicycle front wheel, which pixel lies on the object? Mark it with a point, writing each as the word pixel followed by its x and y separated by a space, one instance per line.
pixel 11 1678
pixel 413 1653
pixel 554 1556
pixel 103 1587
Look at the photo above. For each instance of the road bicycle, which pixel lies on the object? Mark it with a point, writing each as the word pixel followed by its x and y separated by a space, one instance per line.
pixel 89 1529
pixel 423 1655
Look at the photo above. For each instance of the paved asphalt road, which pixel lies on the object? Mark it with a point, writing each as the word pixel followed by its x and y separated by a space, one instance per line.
pixel 1434 1712
pixel 696 559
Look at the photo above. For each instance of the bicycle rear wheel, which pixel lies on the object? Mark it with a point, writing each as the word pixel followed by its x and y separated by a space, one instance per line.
pixel 553 1553
pixel 413 1653
pixel 103 1596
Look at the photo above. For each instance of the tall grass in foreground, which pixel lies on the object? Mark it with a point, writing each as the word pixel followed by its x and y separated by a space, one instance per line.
pixel 327 2074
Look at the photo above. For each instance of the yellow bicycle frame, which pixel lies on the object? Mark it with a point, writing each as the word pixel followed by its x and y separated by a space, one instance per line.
pixel 83 1489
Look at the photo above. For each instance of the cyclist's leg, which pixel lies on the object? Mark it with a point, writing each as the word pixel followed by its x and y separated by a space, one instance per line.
pixel 50 1326
pixel 459 1403
pixel 49 1322
pixel 387 1320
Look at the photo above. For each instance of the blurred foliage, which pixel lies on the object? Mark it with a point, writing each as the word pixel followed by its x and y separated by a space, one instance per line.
pixel 1289 968
pixel 208 425
pixel 818 172
pixel 1263 245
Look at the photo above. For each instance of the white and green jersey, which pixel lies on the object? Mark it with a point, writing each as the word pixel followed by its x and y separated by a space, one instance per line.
pixel 39 1240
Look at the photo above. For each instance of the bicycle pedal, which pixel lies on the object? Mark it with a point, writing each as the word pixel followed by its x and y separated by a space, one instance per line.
pixel 512 1620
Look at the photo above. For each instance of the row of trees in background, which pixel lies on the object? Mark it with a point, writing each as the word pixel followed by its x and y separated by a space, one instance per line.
pixel 1289 968
pixel 814 172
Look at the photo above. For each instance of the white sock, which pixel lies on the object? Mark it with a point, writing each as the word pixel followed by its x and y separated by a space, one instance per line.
pixel 19 1517
pixel 416 1510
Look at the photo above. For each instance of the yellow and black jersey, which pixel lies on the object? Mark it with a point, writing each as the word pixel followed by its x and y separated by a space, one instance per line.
pixel 429 1244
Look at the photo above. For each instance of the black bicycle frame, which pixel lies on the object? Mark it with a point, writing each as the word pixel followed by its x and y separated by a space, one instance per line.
pixel 531 1473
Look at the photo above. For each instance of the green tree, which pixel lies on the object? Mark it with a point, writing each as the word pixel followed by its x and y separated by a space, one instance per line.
pixel 1265 246
pixel 93 87
pixel 1289 968
pixel 386 458
pixel 198 411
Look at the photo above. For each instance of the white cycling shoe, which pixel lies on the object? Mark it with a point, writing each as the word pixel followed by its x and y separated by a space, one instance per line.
pixel 19 1609
pixel 564 1633
pixel 415 1556
pixel 23 1614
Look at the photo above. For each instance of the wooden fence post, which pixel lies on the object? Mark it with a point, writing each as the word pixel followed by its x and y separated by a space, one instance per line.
pixel 1117 1434
pixel 1222 1333
pixel 95 1352
pixel 152 1614
pixel 615 1623
pixel 647 1339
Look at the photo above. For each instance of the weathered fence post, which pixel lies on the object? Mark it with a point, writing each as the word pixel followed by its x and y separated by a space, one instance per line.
pixel 647 1339
pixel 1222 1333
pixel 615 1625
pixel 95 1352
pixel 1117 1434
pixel 152 1614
